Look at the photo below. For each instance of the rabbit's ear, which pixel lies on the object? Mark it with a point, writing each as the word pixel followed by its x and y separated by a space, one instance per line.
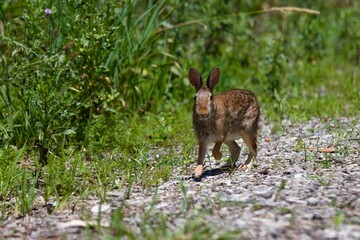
pixel 213 78
pixel 195 78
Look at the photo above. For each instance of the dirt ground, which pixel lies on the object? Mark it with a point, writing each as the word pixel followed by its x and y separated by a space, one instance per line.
pixel 305 185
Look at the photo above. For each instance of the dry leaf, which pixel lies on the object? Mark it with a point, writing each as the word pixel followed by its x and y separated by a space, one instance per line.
pixel 328 150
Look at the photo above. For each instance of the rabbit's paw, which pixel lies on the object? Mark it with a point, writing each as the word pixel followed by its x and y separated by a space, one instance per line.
pixel 244 167
pixel 198 172
pixel 248 165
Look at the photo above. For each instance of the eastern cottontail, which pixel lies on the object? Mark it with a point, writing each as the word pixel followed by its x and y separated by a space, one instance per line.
pixel 222 119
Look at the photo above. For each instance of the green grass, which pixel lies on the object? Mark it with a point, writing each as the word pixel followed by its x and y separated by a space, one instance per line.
pixel 146 158
pixel 95 96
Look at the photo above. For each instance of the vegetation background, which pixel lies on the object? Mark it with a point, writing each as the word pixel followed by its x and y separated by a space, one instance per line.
pixel 94 94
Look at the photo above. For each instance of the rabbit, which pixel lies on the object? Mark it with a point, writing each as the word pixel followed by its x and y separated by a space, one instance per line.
pixel 223 118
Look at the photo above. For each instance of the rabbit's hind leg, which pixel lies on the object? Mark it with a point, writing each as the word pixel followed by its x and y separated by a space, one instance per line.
pixel 250 139
pixel 235 150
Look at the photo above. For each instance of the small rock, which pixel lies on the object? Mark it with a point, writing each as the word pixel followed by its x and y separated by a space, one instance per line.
pixel 317 216
pixel 311 148
pixel 312 201
pixel 162 205
pixel 118 194
pixel 295 201
pixel 298 176
pixel 240 223
pixel 103 208
pixel 73 223
pixel 330 234
pixel 265 193
pixel 223 212
pixel 264 171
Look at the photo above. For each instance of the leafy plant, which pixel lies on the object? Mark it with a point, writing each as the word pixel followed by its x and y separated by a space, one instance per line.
pixel 27 194
pixel 338 218
pixel 281 188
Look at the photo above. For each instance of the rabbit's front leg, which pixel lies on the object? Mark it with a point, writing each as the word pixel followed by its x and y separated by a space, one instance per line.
pixel 216 151
pixel 201 156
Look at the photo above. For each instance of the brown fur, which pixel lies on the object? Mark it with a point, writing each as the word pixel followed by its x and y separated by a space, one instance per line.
pixel 223 119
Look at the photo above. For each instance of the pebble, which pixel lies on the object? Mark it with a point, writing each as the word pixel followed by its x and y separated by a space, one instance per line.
pixel 312 201
pixel 103 208
pixel 265 193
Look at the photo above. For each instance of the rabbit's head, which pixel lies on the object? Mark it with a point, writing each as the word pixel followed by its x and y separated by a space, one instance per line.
pixel 204 98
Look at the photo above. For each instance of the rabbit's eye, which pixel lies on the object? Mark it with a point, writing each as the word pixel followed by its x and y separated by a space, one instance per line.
pixel 211 97
pixel 195 97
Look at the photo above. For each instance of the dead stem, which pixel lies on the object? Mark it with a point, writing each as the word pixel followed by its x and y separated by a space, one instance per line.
pixel 273 9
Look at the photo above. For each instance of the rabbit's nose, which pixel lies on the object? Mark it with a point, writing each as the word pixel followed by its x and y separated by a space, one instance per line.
pixel 203 114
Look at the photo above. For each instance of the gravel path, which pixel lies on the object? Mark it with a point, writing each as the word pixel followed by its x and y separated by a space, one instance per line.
pixel 306 185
